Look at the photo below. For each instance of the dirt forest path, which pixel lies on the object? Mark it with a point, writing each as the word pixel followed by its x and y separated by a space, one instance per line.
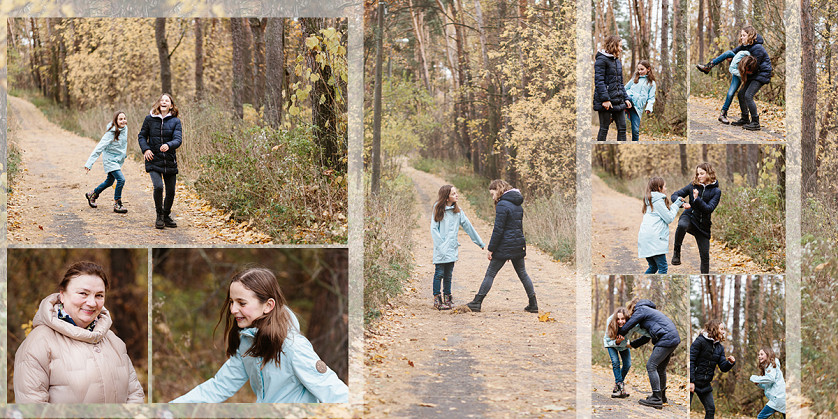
pixel 616 220
pixel 704 124
pixel 47 203
pixel 644 134
pixel 501 362
pixel 637 386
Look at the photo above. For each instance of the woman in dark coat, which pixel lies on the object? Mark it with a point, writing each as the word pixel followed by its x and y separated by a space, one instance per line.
pixel 159 137
pixel 753 43
pixel 610 98
pixel 665 337
pixel 704 195
pixel 705 353
pixel 507 243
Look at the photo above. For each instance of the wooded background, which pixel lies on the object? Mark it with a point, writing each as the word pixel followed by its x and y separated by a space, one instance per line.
pixel 262 101
pixel 34 274
pixel 491 81
pixel 669 293
pixel 751 177
pixel 753 309
pixel 714 29
pixel 190 289
pixel 651 30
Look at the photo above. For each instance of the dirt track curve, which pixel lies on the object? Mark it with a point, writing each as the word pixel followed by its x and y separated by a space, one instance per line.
pixel 704 125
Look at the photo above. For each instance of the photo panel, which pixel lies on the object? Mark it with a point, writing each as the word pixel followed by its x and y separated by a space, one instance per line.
pixel 75 317
pixel 737 345
pixel 710 236
pixel 733 98
pixel 639 353
pixel 210 307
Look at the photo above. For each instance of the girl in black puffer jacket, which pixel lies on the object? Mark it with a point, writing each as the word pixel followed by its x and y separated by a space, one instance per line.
pixel 610 98
pixel 507 243
pixel 705 353
pixel 159 137
pixel 701 197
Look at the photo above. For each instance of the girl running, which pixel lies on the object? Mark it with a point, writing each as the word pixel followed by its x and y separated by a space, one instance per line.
pixel 113 147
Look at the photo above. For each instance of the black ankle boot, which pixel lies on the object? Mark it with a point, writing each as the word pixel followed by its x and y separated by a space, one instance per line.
pixel 168 221
pixel 91 198
pixel 663 395
pixel 532 307
pixel 753 125
pixel 676 257
pixel 159 224
pixel 475 304
pixel 653 401
pixel 741 121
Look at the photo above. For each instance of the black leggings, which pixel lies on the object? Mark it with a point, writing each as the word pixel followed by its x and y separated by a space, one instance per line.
pixel 746 99
pixel 158 179
pixel 605 118
pixel 706 399
pixel 703 242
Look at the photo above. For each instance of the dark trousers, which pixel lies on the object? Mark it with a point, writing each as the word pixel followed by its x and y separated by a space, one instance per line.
pixel 746 99
pixel 703 242
pixel 159 180
pixel 605 118
pixel 706 399
pixel 492 271
pixel 656 366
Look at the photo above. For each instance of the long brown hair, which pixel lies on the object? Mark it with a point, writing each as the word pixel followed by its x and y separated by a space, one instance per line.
pixel 708 168
pixel 631 304
pixel 752 34
pixel 655 184
pixel 501 187
pixel 272 327
pixel 650 75
pixel 612 325
pixel 747 65
pixel 712 329
pixel 613 45
pixel 83 268
pixel 156 108
pixel 114 126
pixel 770 359
pixel 442 202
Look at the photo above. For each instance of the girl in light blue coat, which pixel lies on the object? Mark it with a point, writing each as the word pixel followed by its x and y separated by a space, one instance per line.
pixel 771 380
pixel 641 91
pixel 653 237
pixel 265 347
pixel 446 220
pixel 113 147
pixel 618 348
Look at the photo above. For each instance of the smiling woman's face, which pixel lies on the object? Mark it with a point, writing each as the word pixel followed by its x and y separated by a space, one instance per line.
pixel 84 298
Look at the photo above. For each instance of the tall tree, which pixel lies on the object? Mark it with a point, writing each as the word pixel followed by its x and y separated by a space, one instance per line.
pixel 163 54
pixel 257 27
pixel 376 125
pixel 808 139
pixel 199 60
pixel 275 71
pixel 239 40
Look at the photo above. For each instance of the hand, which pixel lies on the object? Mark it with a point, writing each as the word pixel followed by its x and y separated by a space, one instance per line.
pixel 619 339
pixel 490 255
pixel 148 155
pixel 648 112
pixel 628 104
pixel 86 170
pixel 686 205
pixel 695 193
pixel 164 148
pixel 606 104
pixel 692 387
pixel 731 359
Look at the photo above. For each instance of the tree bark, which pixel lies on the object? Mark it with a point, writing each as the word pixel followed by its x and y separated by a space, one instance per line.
pixel 700 31
pixel 257 27
pixel 199 61
pixel 376 124
pixel 682 152
pixel 163 55
pixel 275 71
pixel 238 86
pixel 417 22
pixel 808 138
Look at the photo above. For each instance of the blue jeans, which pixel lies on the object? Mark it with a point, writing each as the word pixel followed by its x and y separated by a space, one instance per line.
pixel 443 272
pixel 620 373
pixel 766 413
pixel 117 176
pixel 723 56
pixel 735 81
pixel 657 264
pixel 634 117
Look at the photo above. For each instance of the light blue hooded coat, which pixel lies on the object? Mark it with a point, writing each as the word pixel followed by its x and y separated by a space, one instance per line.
pixel 296 380
pixel 734 63
pixel 653 237
pixel 611 343
pixel 774 385
pixel 113 151
pixel 444 234
pixel 642 94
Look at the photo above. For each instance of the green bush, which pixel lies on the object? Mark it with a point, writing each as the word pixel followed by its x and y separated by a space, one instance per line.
pixel 753 219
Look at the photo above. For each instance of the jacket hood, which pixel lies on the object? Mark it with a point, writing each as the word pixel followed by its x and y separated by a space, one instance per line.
pixel 47 315
pixel 151 112
pixel 715 184
pixel 110 127
pixel 707 336
pixel 514 196
pixel 759 40
pixel 657 196
pixel 646 303
pixel 603 53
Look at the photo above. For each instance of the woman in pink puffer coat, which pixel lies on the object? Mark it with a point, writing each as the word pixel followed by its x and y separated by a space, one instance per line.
pixel 71 355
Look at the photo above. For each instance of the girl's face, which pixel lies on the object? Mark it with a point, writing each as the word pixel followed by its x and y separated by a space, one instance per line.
pixel 494 193
pixel 245 305
pixel 83 299
pixel 701 175
pixel 621 319
pixel 165 104
pixel 743 37
pixel 642 70
pixel 723 330
pixel 452 196
pixel 761 356
pixel 121 121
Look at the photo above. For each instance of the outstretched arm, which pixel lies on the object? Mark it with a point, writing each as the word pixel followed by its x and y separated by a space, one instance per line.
pixel 469 229
pixel 227 381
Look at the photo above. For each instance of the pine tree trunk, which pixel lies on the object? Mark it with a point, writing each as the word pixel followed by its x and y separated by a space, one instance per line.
pixel 275 71
pixel 163 55
pixel 199 61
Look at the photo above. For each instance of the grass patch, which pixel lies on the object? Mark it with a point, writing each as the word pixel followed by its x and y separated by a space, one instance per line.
pixel 762 234
pixel 549 221
pixel 388 258
pixel 13 153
